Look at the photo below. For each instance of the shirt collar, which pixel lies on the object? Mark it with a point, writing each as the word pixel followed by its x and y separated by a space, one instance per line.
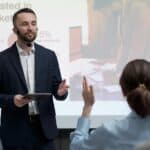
pixel 133 114
pixel 23 52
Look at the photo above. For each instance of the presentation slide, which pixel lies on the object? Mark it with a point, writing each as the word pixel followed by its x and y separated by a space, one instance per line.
pixel 95 38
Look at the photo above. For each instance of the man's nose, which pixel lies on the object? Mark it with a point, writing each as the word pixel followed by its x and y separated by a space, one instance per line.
pixel 30 27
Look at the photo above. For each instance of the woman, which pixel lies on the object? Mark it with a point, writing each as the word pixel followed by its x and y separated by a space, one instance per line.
pixel 122 134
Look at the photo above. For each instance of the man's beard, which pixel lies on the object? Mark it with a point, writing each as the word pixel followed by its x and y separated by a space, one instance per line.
pixel 27 38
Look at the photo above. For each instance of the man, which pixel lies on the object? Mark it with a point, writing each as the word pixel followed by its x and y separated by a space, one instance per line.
pixel 26 67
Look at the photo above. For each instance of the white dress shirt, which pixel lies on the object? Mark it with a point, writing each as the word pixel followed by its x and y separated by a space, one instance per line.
pixel 27 62
pixel 115 135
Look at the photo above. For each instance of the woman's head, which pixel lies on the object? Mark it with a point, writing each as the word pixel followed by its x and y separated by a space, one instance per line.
pixel 135 84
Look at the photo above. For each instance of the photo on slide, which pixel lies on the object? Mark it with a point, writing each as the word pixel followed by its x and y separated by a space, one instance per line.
pixel 118 31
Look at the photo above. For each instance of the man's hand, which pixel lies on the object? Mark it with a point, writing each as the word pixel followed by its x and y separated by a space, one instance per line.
pixel 63 88
pixel 20 101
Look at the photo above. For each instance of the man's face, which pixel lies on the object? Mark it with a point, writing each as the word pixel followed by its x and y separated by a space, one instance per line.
pixel 26 27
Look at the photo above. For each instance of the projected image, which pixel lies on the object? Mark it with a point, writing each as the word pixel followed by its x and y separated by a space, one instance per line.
pixel 118 31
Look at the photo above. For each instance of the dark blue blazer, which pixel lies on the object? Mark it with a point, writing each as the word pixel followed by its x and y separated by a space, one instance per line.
pixel 14 120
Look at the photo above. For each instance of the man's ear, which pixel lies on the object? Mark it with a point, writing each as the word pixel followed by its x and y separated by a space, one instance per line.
pixel 14 30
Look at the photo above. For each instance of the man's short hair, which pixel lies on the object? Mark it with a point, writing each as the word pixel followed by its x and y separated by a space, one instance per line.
pixel 23 10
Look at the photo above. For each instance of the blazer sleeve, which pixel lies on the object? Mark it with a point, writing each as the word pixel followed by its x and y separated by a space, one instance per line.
pixel 6 100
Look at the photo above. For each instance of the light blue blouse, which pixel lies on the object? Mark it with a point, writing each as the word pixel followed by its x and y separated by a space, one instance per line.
pixel 115 135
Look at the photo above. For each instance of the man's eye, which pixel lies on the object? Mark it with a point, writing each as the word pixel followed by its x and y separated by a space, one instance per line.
pixel 24 24
pixel 33 23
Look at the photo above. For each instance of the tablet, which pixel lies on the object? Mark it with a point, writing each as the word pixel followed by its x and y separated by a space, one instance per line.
pixel 37 96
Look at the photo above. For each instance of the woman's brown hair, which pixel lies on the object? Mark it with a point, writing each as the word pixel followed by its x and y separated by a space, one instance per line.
pixel 135 84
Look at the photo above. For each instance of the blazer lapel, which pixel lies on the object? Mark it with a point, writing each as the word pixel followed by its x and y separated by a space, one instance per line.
pixel 15 61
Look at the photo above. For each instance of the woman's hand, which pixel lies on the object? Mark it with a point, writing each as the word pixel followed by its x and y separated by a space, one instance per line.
pixel 88 97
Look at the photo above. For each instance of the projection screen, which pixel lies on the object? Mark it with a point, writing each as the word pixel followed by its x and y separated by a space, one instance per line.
pixel 95 38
